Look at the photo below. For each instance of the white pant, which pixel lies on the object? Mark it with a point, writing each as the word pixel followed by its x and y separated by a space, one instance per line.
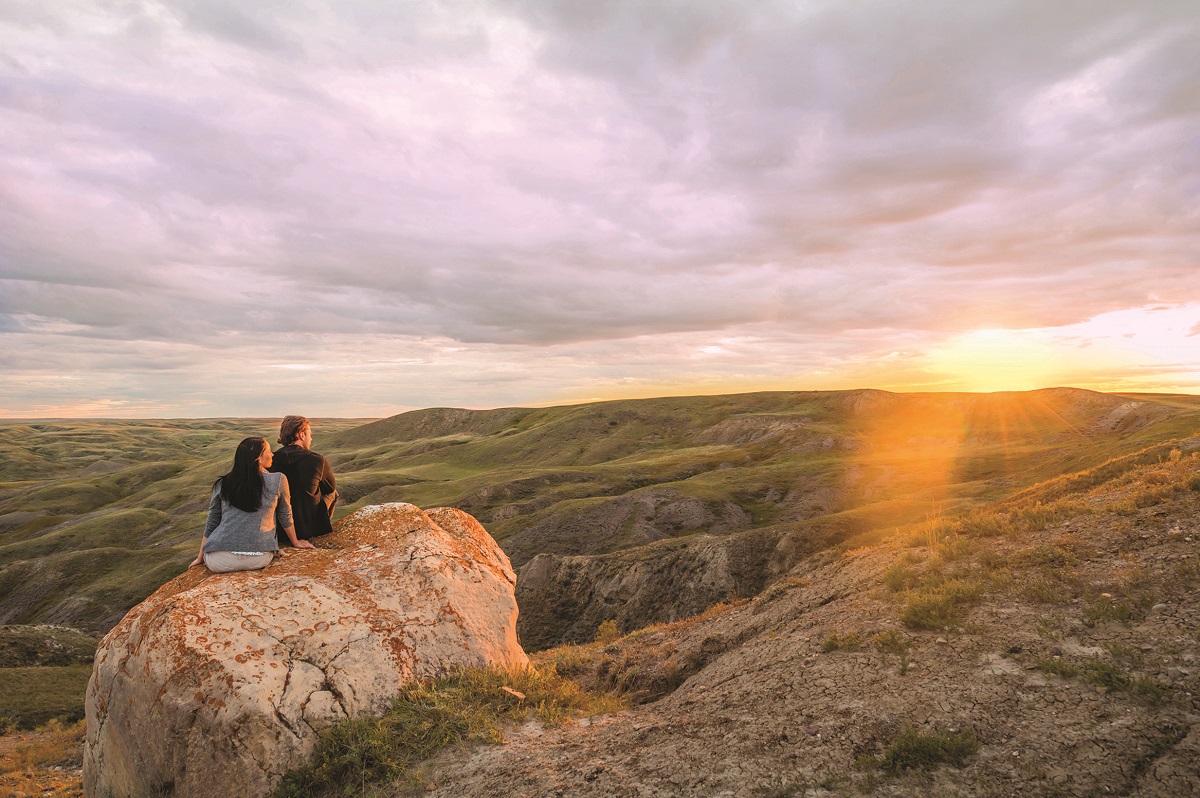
pixel 222 562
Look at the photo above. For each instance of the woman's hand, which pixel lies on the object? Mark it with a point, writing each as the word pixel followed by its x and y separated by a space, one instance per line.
pixel 198 561
pixel 290 531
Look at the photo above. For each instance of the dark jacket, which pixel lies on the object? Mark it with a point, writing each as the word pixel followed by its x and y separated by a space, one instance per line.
pixel 314 491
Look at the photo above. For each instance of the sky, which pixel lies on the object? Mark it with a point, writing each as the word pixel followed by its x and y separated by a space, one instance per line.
pixel 356 208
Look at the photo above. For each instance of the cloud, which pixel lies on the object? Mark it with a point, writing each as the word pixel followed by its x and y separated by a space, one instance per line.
pixel 522 178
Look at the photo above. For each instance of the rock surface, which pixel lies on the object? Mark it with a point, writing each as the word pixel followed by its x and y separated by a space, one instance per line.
pixel 218 683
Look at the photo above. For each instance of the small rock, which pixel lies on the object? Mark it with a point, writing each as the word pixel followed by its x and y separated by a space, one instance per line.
pixel 1159 608
pixel 943 641
pixel 1014 649
pixel 1178 673
pixel 811 730
pixel 1056 651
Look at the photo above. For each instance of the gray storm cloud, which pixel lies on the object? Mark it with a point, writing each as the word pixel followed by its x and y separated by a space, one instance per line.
pixel 547 180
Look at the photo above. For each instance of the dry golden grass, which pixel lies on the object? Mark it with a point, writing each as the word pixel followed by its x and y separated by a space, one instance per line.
pixel 43 762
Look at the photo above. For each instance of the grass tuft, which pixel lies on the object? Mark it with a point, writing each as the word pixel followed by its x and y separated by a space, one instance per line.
pixel 843 642
pixel 913 750
pixel 1103 674
pixel 1056 666
pixel 939 606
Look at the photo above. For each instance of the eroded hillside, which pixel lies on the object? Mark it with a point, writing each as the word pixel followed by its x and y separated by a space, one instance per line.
pixel 1045 646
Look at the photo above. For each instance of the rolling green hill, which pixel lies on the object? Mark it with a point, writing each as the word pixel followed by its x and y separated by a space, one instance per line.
pixel 95 514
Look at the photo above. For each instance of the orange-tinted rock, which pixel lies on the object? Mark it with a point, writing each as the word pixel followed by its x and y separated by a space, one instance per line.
pixel 218 683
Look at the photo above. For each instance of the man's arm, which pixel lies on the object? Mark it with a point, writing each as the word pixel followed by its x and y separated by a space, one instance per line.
pixel 328 487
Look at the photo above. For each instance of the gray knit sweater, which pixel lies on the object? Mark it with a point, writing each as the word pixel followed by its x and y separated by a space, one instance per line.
pixel 231 529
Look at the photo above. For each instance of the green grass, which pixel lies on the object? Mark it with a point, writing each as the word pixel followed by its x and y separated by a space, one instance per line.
pixel 1056 666
pixel 124 527
pixel 1107 675
pixel 846 641
pixel 915 750
pixel 468 706
pixel 940 605
pixel 1123 606
pixel 32 696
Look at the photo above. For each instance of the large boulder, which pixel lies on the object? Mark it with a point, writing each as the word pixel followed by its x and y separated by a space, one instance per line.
pixel 219 683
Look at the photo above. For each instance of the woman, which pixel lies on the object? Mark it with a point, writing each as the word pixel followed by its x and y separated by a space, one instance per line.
pixel 246 505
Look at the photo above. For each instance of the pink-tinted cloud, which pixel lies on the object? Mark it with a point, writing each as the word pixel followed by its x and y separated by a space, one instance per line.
pixel 190 187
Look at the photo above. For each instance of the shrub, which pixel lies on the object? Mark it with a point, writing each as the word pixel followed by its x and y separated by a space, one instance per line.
pixel 912 750
pixel 893 641
pixel 607 632
pixel 890 642
pixel 900 576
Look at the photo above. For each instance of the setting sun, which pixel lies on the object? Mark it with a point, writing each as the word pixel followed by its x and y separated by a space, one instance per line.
pixel 1000 360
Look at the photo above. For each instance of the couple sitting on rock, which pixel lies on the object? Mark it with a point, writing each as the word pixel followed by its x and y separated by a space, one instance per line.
pixel 265 492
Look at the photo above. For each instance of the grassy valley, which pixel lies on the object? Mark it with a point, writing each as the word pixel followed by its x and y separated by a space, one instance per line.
pixel 96 514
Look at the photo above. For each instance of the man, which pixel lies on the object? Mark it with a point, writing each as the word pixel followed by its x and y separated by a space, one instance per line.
pixel 313 489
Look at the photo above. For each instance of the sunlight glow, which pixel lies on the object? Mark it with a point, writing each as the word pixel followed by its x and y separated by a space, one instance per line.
pixel 1000 360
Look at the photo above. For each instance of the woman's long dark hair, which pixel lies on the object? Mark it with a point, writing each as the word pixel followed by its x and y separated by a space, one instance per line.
pixel 242 487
